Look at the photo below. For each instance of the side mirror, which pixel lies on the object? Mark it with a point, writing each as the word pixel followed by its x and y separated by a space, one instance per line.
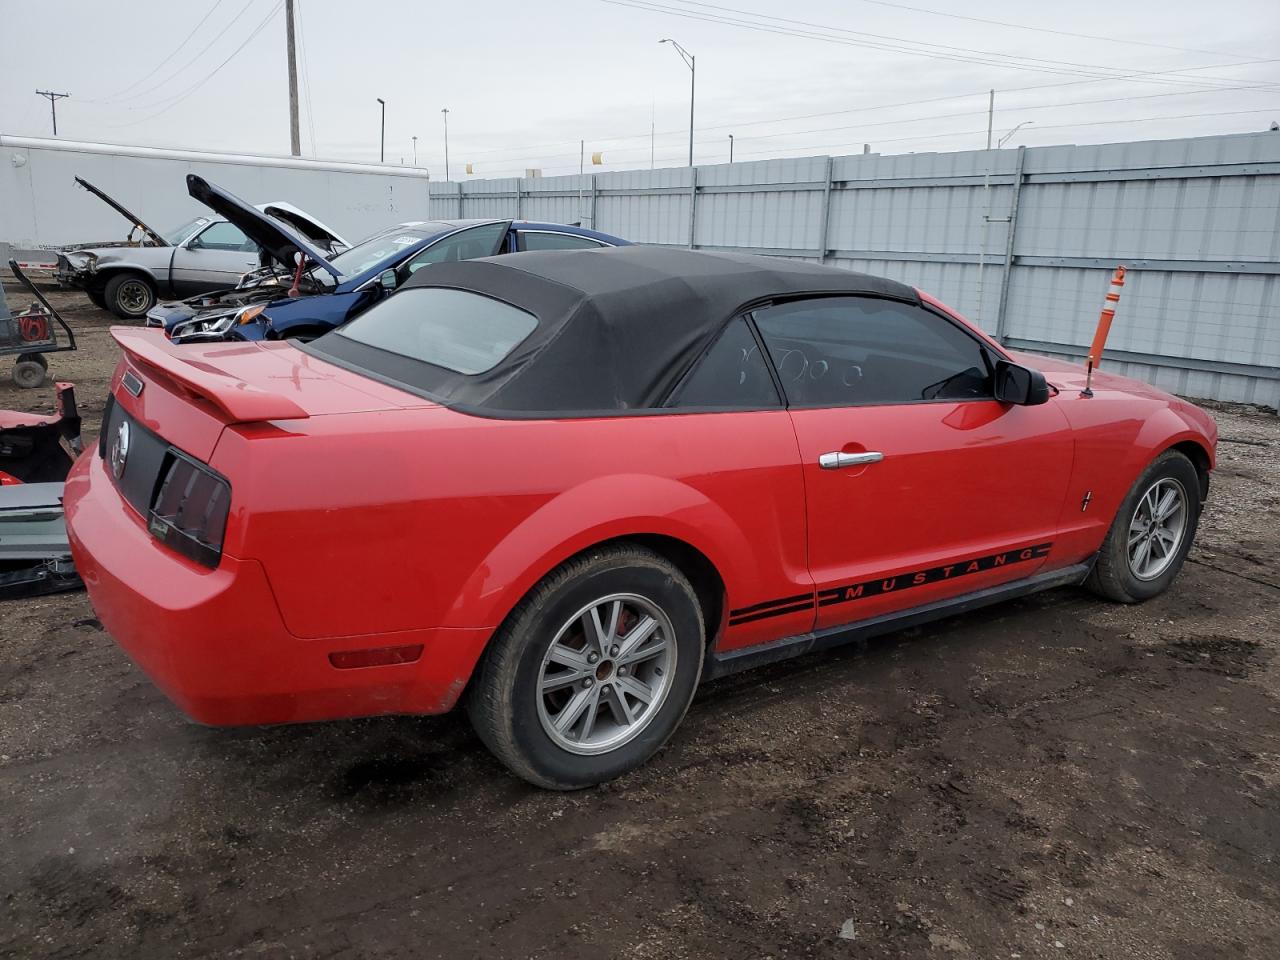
pixel 388 279
pixel 1020 385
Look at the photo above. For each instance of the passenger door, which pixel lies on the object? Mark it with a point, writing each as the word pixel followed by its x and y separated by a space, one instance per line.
pixel 919 485
pixel 485 240
pixel 215 257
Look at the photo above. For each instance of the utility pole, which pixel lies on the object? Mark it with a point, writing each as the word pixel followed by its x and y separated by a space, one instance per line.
pixel 295 139
pixel 691 62
pixel 53 105
pixel 991 112
pixel 731 148
pixel 382 142
pixel 445 112
pixel 415 150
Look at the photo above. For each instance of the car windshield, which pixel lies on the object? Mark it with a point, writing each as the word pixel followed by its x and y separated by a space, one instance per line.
pixel 178 234
pixel 370 252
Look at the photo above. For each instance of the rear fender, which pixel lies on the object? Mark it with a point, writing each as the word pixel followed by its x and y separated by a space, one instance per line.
pixel 605 508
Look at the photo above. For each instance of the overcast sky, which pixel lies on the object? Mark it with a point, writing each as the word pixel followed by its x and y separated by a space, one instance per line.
pixel 524 81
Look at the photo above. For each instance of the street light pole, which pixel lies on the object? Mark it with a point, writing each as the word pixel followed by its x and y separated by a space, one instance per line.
pixel 415 150
pixel 445 112
pixel 731 148
pixel 691 62
pixel 382 143
pixel 1005 139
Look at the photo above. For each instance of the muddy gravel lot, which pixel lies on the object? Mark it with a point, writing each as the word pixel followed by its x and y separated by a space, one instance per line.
pixel 1056 777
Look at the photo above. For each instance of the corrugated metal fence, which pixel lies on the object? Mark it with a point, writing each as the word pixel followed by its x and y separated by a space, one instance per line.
pixel 1020 240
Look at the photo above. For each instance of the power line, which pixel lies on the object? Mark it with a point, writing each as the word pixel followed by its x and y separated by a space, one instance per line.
pixel 179 98
pixel 967 51
pixel 774 151
pixel 1057 126
pixel 1060 33
pixel 185 65
pixel 598 141
pixel 112 98
pixel 977 57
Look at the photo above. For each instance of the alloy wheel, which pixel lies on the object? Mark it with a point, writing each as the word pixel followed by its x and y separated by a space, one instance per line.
pixel 606 674
pixel 1156 529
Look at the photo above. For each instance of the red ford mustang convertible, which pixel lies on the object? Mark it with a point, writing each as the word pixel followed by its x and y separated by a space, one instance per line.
pixel 564 487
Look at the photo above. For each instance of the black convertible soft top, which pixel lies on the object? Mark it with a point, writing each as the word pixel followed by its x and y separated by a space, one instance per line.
pixel 617 327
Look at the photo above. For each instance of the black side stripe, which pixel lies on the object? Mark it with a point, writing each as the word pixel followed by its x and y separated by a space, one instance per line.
pixel 886 584
pixel 785 601
pixel 807 604
pixel 918 578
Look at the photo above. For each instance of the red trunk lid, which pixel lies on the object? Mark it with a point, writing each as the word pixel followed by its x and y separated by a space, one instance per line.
pixel 188 393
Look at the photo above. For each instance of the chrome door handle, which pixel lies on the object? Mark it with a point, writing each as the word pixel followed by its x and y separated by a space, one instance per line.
pixel 838 461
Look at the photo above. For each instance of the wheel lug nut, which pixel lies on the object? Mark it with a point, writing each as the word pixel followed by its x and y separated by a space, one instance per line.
pixel 587 683
pixel 622 671
pixel 592 657
pixel 613 651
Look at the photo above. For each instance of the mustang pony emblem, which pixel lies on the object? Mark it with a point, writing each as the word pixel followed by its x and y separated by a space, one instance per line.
pixel 119 450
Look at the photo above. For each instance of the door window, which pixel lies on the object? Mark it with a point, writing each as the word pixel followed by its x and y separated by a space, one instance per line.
pixel 482 241
pixel 731 375
pixel 849 351
pixel 542 240
pixel 222 236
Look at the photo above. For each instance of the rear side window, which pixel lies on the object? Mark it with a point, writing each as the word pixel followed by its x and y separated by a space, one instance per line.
pixel 544 240
pixel 455 329
pixel 731 374
pixel 849 351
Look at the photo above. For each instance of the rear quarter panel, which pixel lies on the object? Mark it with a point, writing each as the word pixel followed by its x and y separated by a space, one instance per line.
pixel 397 520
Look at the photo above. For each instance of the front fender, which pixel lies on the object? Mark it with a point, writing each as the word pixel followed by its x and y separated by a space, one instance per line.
pixel 322 311
pixel 1166 428
pixel 605 508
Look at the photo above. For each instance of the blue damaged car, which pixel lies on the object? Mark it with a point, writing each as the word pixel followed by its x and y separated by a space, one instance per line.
pixel 302 293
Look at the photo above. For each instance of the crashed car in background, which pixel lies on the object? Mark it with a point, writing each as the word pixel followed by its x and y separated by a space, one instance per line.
pixel 305 300
pixel 36 453
pixel 128 276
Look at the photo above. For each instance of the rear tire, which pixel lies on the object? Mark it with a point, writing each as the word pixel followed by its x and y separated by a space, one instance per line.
pixel 1151 534
pixel 130 295
pixel 593 670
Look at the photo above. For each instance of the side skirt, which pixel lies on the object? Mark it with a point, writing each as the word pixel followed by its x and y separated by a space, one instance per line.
pixel 722 664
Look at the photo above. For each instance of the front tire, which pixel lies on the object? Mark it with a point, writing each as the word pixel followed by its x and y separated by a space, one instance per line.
pixel 593 671
pixel 1151 534
pixel 129 295
pixel 98 298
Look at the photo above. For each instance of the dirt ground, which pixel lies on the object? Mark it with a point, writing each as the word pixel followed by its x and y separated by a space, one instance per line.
pixel 1057 777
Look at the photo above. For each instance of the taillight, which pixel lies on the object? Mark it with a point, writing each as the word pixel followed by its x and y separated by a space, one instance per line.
pixel 189 511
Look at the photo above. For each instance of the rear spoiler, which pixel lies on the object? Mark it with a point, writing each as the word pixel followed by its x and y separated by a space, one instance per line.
pixel 238 401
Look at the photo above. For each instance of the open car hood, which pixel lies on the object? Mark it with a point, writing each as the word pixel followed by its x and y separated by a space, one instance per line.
pixel 305 225
pixel 151 234
pixel 270 234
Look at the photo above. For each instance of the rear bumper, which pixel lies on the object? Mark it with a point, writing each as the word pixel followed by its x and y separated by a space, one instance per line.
pixel 214 640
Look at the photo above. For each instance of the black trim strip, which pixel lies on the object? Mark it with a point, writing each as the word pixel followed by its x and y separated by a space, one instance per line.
pixel 721 664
